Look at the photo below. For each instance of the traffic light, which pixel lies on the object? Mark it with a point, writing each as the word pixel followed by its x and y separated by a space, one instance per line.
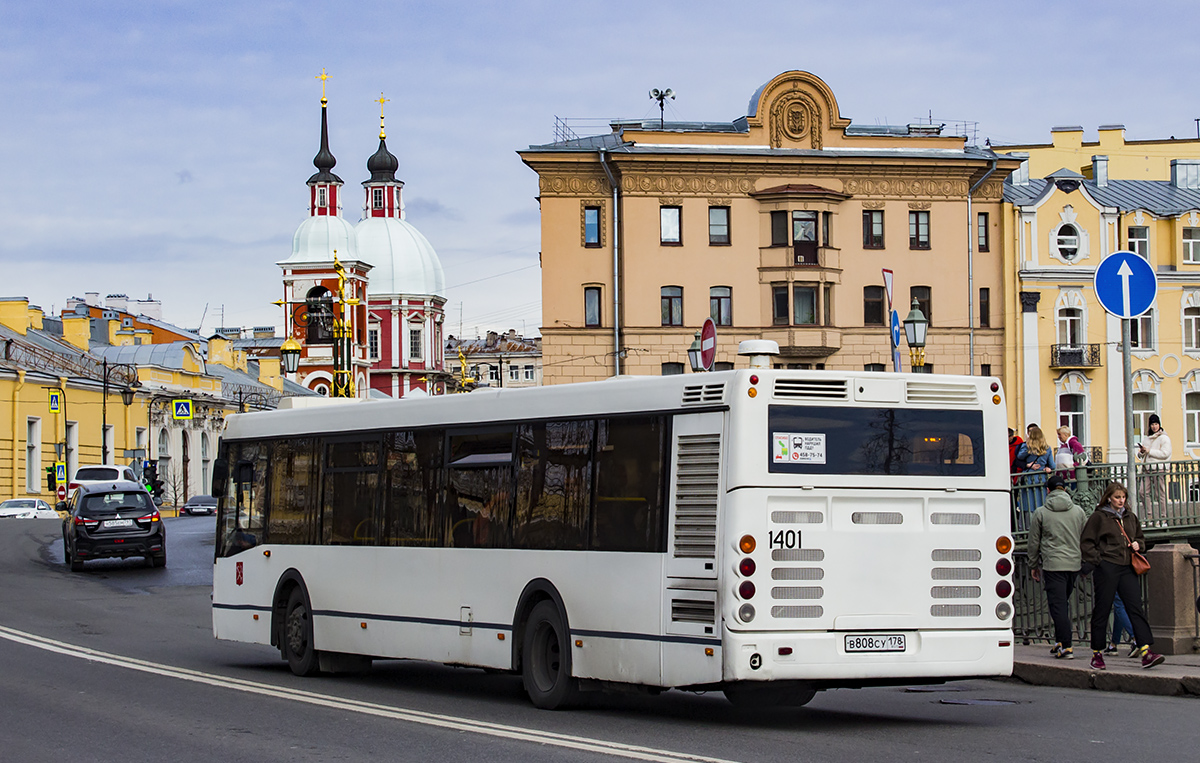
pixel 156 487
pixel 51 483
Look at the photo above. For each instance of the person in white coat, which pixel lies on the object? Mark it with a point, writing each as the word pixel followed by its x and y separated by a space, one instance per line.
pixel 1155 451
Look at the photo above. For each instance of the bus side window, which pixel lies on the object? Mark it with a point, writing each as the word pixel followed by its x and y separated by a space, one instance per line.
pixel 248 523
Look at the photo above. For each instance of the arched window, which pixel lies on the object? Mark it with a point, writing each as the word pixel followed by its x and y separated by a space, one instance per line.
pixel 205 462
pixel 318 315
pixel 164 454
pixel 1144 404
pixel 1067 241
pixel 1070 326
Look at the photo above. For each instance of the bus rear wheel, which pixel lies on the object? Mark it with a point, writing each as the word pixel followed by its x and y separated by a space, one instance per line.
pixel 756 696
pixel 546 659
pixel 297 641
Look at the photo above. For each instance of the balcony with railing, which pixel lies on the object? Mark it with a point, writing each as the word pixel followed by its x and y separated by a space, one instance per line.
pixel 1075 356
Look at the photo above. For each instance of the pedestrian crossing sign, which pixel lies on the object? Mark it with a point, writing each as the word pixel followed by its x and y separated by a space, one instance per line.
pixel 55 401
pixel 181 409
pixel 60 473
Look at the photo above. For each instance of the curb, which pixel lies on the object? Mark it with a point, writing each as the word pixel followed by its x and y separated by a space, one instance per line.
pixel 1101 680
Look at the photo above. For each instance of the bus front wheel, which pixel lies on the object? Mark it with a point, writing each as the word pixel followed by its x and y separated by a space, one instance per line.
pixel 297 641
pixel 546 659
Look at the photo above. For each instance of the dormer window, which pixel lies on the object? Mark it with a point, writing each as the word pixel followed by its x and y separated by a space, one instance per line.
pixel 377 198
pixel 322 197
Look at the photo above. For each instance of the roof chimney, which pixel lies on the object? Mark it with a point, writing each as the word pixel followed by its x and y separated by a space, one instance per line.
pixel 1185 173
pixel 1100 171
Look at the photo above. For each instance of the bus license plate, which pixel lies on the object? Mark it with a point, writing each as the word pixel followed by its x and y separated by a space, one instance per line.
pixel 887 642
pixel 118 523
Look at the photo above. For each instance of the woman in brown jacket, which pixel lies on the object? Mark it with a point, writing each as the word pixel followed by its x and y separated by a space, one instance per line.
pixel 1111 533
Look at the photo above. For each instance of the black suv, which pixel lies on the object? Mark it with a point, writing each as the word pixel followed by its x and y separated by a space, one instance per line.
pixel 112 519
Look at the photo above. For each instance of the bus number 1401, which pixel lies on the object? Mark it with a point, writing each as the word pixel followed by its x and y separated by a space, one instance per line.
pixel 783 538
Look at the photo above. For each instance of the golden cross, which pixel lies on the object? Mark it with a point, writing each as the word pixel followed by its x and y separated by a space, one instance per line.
pixel 381 100
pixel 322 76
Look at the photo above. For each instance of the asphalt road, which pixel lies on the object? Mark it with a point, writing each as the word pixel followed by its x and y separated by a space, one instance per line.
pixel 118 663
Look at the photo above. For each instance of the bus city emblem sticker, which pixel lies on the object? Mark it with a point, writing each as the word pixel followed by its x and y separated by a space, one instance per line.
pixel 238 573
pixel 798 448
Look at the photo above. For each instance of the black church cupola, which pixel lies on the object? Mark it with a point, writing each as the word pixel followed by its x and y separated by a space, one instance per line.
pixel 383 189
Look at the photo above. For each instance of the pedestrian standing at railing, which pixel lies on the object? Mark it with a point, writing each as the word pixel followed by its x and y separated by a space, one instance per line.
pixel 1155 451
pixel 1110 536
pixel 1055 558
pixel 1068 454
pixel 1014 443
pixel 1036 459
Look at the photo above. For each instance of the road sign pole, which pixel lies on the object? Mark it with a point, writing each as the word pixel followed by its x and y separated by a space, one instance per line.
pixel 1127 372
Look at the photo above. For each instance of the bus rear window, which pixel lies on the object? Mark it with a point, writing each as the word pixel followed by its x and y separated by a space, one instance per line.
pixel 843 440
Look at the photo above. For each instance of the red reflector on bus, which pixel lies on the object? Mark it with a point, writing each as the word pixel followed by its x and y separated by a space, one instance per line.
pixel 746 590
pixel 1003 566
pixel 784 651
pixel 1005 643
pixel 1003 589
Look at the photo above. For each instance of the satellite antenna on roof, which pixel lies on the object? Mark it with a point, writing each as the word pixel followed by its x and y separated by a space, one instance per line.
pixel 661 96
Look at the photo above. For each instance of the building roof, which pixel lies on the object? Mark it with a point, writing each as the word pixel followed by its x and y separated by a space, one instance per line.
pixel 1158 197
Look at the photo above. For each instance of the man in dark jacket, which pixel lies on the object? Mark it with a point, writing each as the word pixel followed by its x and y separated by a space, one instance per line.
pixel 1055 558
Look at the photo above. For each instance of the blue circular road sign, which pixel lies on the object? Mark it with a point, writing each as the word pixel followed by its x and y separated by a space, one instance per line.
pixel 1125 284
pixel 895 329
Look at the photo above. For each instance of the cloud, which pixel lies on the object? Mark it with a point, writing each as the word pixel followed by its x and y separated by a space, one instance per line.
pixel 185 176
pixel 430 208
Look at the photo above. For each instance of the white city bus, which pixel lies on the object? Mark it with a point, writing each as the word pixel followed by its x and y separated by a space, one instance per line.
pixel 765 532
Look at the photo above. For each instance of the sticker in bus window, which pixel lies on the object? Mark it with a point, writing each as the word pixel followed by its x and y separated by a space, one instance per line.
pixel 798 448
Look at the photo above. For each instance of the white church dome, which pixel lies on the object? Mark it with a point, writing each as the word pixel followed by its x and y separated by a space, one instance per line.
pixel 317 238
pixel 404 261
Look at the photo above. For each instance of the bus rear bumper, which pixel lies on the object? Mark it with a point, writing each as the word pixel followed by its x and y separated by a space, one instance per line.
pixel 823 657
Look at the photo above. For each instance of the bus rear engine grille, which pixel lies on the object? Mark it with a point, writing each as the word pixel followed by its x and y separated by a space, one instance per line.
pixel 877 518
pixel 955 573
pixel 955 610
pixel 955 592
pixel 810 612
pixel 811 389
pixel 797 517
pixel 954 518
pixel 702 394
pixel 696 483
pixel 693 611
pixel 798 555
pixel 956 555
pixel 786 592
pixel 943 393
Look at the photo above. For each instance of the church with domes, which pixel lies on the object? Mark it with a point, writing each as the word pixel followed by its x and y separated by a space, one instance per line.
pixel 367 299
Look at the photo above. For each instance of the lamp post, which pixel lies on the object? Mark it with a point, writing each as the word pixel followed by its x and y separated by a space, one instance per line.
pixel 256 399
pixel 915 328
pixel 694 355
pixel 289 353
pixel 131 384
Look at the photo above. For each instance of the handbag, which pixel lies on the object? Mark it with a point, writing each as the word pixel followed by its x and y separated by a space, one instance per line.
pixel 1140 564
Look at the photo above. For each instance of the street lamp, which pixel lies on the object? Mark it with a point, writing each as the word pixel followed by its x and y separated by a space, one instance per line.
pixel 694 353
pixel 290 354
pixel 915 327
pixel 129 372
pixel 257 399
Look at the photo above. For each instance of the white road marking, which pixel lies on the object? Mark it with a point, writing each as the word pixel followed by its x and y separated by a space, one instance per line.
pixel 367 708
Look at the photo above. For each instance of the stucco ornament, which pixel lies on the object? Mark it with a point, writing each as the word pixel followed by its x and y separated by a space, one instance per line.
pixel 795 116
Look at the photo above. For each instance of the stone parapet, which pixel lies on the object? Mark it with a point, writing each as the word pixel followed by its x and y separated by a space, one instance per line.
pixel 1171 605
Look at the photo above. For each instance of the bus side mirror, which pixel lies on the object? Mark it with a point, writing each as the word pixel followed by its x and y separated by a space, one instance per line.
pixel 220 477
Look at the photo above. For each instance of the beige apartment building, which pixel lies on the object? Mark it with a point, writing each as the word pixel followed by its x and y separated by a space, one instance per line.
pixel 777 225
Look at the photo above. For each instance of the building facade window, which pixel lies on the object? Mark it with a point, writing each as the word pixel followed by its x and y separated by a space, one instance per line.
pixel 33 455
pixel 985 369
pixel 1141 331
pixel 373 343
pixel 1191 329
pixel 1191 245
pixel 804 237
pixel 591 226
pixel 779 229
pixel 720 305
pixel 804 305
pixel 985 307
pixel 779 305
pixel 1144 404
pixel 670 226
pixel 414 343
pixel 591 307
pixel 873 306
pixel 1066 241
pixel 872 229
pixel 1139 240
pixel 981 231
pixel 1070 326
pixel 377 198
pixel 918 230
pixel 924 297
pixel 514 373
pixel 1191 419
pixel 672 369
pixel 874 367
pixel 493 374
pixel 1072 410
pixel 322 200
pixel 528 373
pixel 718 226
pixel 672 305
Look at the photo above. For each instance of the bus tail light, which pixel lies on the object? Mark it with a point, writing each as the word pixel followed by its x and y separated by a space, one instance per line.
pixel 746 590
pixel 746 613
pixel 747 567
pixel 1004 544
pixel 1003 612
pixel 747 544
pixel 1003 589
pixel 1003 566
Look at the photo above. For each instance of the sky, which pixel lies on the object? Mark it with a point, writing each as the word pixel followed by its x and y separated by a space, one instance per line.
pixel 162 148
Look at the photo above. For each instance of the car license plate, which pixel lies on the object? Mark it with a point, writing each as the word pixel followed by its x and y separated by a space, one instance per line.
pixel 118 523
pixel 884 642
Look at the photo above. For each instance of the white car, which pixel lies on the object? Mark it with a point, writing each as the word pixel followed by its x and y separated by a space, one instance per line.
pixel 90 475
pixel 26 508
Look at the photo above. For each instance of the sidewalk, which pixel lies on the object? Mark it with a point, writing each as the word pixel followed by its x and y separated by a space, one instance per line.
pixel 1178 676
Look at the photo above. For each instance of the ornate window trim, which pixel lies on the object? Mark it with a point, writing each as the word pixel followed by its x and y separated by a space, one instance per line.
pixel 584 205
pixel 1071 299
pixel 1191 299
pixel 1073 383
pixel 1082 242
pixel 1191 385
